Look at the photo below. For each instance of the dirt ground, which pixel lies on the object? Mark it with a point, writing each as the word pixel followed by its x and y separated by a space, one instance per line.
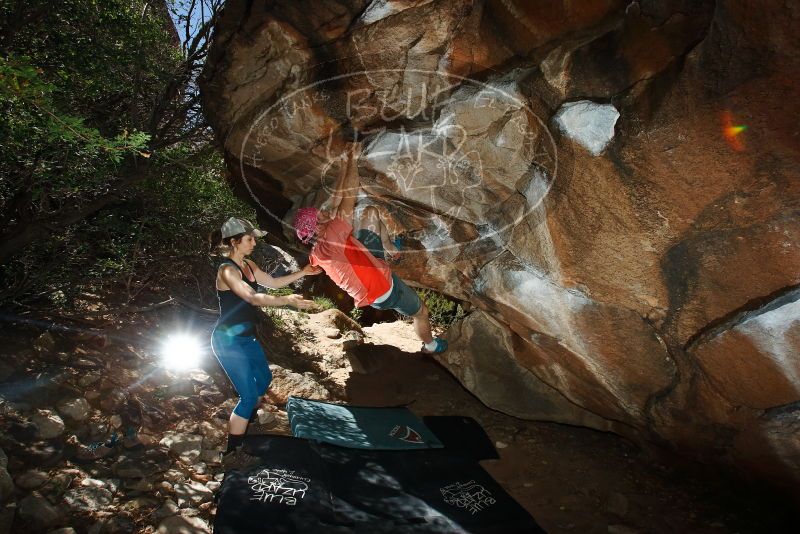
pixel 570 479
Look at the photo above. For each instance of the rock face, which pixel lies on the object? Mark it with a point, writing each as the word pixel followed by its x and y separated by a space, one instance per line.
pixel 614 186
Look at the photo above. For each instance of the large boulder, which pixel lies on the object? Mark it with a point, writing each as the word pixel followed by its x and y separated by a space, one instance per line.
pixel 500 378
pixel 614 187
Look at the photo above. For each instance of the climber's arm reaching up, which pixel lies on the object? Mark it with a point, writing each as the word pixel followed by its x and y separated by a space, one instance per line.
pixel 342 201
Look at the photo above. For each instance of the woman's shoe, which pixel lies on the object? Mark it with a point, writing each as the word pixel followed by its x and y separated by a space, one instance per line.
pixel 239 460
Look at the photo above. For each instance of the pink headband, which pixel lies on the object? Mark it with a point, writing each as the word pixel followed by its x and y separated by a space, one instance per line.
pixel 305 223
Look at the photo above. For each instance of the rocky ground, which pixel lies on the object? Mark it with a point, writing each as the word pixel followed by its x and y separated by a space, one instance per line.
pixel 98 437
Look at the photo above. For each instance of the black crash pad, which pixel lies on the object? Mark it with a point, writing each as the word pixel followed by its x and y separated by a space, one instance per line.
pixel 463 434
pixel 304 486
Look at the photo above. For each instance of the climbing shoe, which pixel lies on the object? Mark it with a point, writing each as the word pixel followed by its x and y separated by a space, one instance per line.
pixel 441 346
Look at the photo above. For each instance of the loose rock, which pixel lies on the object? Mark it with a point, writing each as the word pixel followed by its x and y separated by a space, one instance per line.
pixel 212 435
pixel 128 468
pixel 286 383
pixel 331 333
pixel 192 493
pixel 88 499
pixel 38 512
pixel 88 380
pixel 187 445
pixel 202 378
pixel 351 340
pixel 169 509
pixel 50 424
pixel 32 479
pixel 76 409
pixel 265 417
pixel 180 524
pixel 45 343
pixel 6 485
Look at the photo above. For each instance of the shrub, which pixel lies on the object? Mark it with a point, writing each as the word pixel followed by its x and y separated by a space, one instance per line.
pixel 324 303
pixel 281 291
pixel 356 314
pixel 443 310
pixel 275 317
pixel 155 235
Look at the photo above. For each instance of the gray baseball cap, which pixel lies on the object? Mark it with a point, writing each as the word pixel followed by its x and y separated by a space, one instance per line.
pixel 234 226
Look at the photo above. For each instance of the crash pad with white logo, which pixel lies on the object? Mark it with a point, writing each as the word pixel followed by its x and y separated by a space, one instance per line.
pixel 288 491
pixel 309 486
pixel 432 490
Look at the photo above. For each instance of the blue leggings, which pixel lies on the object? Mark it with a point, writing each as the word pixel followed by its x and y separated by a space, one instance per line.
pixel 246 365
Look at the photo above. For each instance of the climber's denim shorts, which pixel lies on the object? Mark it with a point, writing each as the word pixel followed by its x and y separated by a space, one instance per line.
pixel 402 299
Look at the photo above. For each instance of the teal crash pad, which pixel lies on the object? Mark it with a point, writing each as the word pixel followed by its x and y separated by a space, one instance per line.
pixel 359 427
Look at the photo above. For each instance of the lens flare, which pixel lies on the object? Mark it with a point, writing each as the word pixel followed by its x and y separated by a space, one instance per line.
pixel 732 132
pixel 181 352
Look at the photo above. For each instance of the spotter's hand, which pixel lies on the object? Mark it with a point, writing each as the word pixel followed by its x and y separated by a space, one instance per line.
pixel 297 301
pixel 310 270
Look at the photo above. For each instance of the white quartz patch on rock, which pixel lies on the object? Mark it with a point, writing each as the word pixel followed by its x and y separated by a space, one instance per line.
pixel 381 9
pixel 588 123
pixel 763 343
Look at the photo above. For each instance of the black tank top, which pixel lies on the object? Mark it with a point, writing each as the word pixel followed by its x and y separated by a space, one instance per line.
pixel 232 309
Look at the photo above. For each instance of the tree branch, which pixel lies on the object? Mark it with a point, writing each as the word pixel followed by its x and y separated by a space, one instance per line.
pixel 22 234
pixel 152 307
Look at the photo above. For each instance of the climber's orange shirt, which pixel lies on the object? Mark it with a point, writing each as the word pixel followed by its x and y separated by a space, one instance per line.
pixel 349 264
